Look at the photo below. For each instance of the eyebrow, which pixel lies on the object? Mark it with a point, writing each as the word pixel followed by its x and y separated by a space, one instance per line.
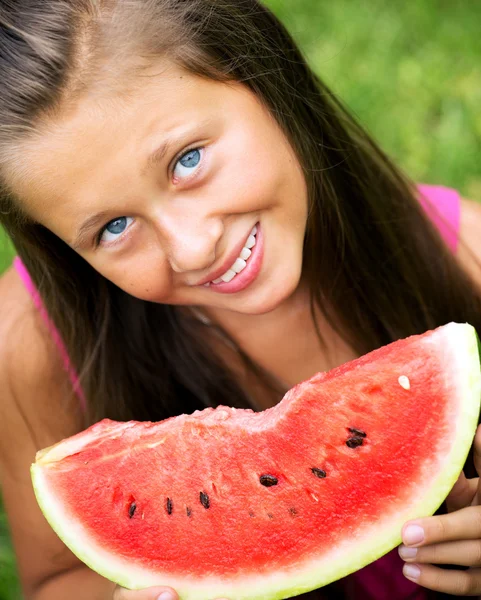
pixel 84 232
pixel 82 237
pixel 156 157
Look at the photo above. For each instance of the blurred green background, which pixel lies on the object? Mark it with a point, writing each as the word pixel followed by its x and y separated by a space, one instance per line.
pixel 411 73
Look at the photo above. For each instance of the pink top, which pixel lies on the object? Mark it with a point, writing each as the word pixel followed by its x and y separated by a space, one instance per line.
pixel 443 207
pixel 383 578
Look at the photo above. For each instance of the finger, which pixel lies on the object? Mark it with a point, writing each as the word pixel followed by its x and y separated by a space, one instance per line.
pixel 152 593
pixel 462 494
pixel 466 553
pixel 464 524
pixel 458 583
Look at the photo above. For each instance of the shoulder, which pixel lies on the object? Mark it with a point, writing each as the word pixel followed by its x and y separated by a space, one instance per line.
pixel 32 377
pixel 37 409
pixel 469 248
pixel 24 343
pixel 21 334
pixel 14 298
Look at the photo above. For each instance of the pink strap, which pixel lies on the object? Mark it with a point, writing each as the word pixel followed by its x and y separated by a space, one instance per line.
pixel 443 207
pixel 32 290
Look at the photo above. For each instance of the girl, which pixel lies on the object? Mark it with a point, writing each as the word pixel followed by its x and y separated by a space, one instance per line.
pixel 199 221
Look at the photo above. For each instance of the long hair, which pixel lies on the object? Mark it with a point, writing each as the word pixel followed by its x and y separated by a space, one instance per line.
pixel 375 265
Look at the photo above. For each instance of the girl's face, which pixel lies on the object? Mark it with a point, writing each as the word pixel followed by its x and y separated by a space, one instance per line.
pixel 161 191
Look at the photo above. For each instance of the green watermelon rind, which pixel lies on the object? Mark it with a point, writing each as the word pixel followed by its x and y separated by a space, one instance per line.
pixel 381 537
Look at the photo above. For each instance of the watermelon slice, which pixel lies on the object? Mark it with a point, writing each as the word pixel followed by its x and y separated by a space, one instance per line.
pixel 232 503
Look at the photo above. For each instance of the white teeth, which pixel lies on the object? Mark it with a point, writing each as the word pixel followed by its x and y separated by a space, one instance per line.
pixel 245 253
pixel 238 265
pixel 230 274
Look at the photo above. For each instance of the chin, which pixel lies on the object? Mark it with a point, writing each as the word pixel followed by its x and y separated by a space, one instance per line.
pixel 270 297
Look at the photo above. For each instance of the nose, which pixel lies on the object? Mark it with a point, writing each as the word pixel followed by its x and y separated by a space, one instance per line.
pixel 191 244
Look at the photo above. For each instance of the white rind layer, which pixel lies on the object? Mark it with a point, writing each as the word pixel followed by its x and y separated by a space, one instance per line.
pixel 461 355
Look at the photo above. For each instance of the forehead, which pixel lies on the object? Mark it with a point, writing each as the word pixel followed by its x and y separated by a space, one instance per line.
pixel 106 129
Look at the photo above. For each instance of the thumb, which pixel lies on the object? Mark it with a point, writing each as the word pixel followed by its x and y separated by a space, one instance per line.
pixel 152 593
pixel 462 493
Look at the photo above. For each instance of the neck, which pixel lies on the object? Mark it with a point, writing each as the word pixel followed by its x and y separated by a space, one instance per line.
pixel 284 341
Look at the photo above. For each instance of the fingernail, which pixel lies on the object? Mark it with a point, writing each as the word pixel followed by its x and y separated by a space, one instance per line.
pixel 411 572
pixel 413 534
pixel 166 596
pixel 405 552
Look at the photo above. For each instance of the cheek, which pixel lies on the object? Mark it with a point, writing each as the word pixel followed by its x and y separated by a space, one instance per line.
pixel 143 275
pixel 255 181
pixel 258 168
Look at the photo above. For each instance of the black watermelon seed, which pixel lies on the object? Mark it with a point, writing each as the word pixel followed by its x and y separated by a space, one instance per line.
pixel 270 515
pixel 293 512
pixel 251 514
pixel 188 510
pixel 357 432
pixel 318 472
pixel 268 480
pixel 169 506
pixel 354 442
pixel 204 500
pixel 132 509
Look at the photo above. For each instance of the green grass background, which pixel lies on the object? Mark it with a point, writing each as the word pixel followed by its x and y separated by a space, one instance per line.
pixel 410 71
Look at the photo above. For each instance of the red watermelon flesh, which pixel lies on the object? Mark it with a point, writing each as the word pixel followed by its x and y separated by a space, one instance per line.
pixel 228 502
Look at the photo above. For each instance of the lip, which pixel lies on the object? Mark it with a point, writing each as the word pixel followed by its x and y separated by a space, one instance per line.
pixel 229 261
pixel 248 274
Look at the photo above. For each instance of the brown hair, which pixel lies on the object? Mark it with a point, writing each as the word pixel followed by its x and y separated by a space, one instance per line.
pixel 374 263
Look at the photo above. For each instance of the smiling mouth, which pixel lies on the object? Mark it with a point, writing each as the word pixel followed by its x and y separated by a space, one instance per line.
pixel 240 262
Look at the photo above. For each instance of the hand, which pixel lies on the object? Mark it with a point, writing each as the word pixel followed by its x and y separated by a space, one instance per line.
pixel 153 593
pixel 454 538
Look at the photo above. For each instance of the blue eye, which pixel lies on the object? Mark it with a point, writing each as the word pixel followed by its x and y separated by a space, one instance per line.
pixel 114 229
pixel 188 163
